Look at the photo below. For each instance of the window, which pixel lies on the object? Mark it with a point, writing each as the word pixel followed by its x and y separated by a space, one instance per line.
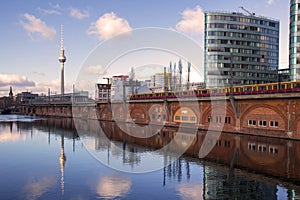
pixel 251 146
pixel 227 143
pixel 177 118
pixel 227 120
pixel 273 150
pixel 251 122
pixel 192 118
pixel 262 148
pixel 185 118
pixel 274 124
pixel 218 143
pixel 262 123
pixel 209 119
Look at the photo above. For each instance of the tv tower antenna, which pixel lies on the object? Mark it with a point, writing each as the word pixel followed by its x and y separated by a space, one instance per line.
pixel 62 60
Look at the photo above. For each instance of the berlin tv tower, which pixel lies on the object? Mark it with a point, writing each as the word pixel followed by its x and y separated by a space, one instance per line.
pixel 62 60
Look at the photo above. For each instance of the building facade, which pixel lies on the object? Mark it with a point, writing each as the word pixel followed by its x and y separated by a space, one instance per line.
pixel 294 49
pixel 240 49
pixel 103 92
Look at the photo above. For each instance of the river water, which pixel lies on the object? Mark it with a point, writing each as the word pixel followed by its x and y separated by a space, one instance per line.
pixel 46 159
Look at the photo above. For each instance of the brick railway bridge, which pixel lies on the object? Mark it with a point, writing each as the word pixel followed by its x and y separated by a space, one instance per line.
pixel 274 115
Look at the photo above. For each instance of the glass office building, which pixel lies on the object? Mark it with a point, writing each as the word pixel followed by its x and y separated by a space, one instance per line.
pixel 294 51
pixel 240 49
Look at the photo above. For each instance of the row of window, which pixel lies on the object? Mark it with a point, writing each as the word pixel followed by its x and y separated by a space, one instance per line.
pixel 241 19
pixel 226 143
pixel 244 51
pixel 185 118
pixel 266 69
pixel 263 123
pixel 273 46
pixel 218 119
pixel 243 59
pixel 242 27
pixel 262 148
pixel 159 117
pixel 214 81
pixel 243 35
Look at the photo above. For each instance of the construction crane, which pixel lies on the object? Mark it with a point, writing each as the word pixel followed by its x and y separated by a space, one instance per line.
pixel 247 11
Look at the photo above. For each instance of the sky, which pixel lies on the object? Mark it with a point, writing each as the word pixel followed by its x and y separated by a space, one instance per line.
pixel 30 33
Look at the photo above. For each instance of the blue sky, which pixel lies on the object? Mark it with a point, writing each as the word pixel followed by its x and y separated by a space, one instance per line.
pixel 31 29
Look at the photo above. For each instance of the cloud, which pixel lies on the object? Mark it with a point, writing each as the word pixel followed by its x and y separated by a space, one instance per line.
pixel 55 6
pixel 74 12
pixel 108 26
pixel 270 2
pixel 192 21
pixel 49 11
pixel 22 84
pixel 36 28
pixel 15 80
pixel 94 70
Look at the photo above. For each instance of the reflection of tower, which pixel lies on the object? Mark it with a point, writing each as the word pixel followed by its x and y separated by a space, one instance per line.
pixel 62 60
pixel 62 159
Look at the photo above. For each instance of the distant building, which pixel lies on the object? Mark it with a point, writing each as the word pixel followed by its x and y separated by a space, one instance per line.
pixel 294 49
pixel 103 92
pixel 160 81
pixel 284 75
pixel 119 91
pixel 241 48
pixel 25 97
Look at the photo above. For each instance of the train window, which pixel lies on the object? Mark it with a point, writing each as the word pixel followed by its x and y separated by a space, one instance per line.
pixel 204 91
pixel 274 87
pixel 297 85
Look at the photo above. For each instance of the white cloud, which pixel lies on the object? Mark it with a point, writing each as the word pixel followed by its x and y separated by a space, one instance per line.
pixel 49 11
pixel 108 26
pixel 192 21
pixel 94 70
pixel 270 2
pixel 74 12
pixel 22 84
pixel 36 28
pixel 15 80
pixel 55 6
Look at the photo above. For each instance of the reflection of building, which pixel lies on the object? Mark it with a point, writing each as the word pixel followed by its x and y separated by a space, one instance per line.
pixel 242 47
pixel 219 184
pixel 62 161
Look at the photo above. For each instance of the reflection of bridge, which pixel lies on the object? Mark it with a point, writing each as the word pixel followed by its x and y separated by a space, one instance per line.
pixel 275 115
pixel 271 156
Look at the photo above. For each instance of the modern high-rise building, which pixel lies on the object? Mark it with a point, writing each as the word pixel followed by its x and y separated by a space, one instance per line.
pixel 294 52
pixel 240 49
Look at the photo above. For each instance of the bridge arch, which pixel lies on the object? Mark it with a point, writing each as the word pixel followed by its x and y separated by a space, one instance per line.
pixel 263 116
pixel 185 115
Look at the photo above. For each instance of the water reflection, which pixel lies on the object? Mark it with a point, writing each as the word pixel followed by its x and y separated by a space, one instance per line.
pixel 238 167
pixel 113 186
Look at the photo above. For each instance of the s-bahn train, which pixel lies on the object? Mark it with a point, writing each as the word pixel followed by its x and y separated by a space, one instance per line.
pixel 267 88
